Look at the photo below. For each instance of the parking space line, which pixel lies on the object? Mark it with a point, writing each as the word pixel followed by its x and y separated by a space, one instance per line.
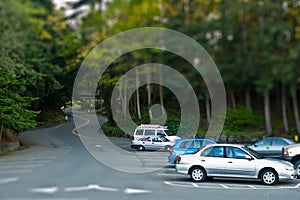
pixel 9 180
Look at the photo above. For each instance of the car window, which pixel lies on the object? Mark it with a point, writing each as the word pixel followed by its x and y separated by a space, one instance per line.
pixel 185 144
pixel 233 152
pixel 149 132
pixel 146 139
pixel 168 132
pixel 264 142
pixel 196 144
pixel 279 142
pixel 156 139
pixel 213 152
pixel 139 132
pixel 160 133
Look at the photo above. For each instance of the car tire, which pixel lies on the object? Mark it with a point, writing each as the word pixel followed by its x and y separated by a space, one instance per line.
pixel 269 177
pixel 167 148
pixel 198 174
pixel 297 167
pixel 141 148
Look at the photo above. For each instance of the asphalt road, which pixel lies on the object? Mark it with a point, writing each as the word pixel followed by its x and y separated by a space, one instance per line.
pixel 60 165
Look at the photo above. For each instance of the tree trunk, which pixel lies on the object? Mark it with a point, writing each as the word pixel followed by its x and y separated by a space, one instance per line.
pixel 283 108
pixel 267 113
pixel 149 95
pixel 138 106
pixel 161 97
pixel 107 104
pixel 232 98
pixel 248 98
pixel 295 108
pixel 207 106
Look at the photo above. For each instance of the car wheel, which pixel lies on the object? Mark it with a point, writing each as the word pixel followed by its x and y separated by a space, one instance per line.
pixel 297 167
pixel 167 148
pixel 141 148
pixel 269 177
pixel 198 174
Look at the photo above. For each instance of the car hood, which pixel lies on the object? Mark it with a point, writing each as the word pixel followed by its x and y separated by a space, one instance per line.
pixel 274 160
pixel 293 145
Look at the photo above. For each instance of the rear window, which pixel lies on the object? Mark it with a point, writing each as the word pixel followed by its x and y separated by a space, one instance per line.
pixel 186 144
pixel 139 132
pixel 149 132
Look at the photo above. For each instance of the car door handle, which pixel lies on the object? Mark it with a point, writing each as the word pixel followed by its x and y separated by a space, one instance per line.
pixel 229 161
pixel 202 160
pixel 267 147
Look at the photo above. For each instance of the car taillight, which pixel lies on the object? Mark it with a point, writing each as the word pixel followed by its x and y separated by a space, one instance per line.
pixel 286 153
pixel 178 159
pixel 171 151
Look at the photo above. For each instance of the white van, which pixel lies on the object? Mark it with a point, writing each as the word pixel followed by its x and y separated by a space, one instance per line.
pixel 145 130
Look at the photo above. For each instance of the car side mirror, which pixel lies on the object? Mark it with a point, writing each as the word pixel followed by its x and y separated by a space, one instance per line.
pixel 255 145
pixel 248 157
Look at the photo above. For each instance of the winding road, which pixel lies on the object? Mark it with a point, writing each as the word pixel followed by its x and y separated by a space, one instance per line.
pixel 64 162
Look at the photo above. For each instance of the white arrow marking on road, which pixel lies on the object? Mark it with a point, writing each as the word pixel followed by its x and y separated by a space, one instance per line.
pixel 9 180
pixel 48 190
pixel 136 191
pixel 297 186
pixel 90 187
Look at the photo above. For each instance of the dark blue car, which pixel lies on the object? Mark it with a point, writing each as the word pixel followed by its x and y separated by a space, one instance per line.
pixel 187 146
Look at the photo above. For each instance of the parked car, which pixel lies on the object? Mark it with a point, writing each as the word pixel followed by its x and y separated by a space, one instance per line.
pixel 145 130
pixel 187 146
pixel 234 161
pixel 152 143
pixel 291 153
pixel 271 146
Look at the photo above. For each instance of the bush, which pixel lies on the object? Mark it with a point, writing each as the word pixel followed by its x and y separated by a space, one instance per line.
pixel 112 130
pixel 242 119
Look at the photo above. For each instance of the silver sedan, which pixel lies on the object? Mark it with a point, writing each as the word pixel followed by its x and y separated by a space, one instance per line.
pixel 234 161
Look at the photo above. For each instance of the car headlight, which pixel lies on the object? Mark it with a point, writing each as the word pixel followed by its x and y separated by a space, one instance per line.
pixel 288 168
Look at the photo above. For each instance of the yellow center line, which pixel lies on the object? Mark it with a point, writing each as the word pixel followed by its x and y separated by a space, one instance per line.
pixel 74 130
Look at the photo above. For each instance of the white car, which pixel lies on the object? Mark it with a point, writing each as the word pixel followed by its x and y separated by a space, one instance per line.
pixel 234 161
pixel 145 130
pixel 152 143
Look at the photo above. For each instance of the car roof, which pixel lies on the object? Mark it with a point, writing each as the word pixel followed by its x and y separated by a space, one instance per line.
pixel 193 139
pixel 283 138
pixel 226 145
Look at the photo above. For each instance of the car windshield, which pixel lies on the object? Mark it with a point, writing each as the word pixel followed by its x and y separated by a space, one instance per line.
pixel 253 153
pixel 168 132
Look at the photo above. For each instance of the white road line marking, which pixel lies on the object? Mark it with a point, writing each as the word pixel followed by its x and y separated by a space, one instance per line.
pixel 90 187
pixel 17 171
pixel 195 185
pixel 136 191
pixel 20 166
pixel 26 162
pixel 297 186
pixel 166 174
pixel 27 159
pixel 47 190
pixel 224 186
pixel 252 186
pixel 9 180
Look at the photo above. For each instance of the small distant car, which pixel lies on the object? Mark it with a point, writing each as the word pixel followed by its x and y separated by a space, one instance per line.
pixel 233 161
pixel 152 143
pixel 187 146
pixel 271 146
pixel 145 130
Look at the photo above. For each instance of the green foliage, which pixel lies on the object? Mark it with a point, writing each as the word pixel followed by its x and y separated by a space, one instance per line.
pixel 112 130
pixel 242 119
